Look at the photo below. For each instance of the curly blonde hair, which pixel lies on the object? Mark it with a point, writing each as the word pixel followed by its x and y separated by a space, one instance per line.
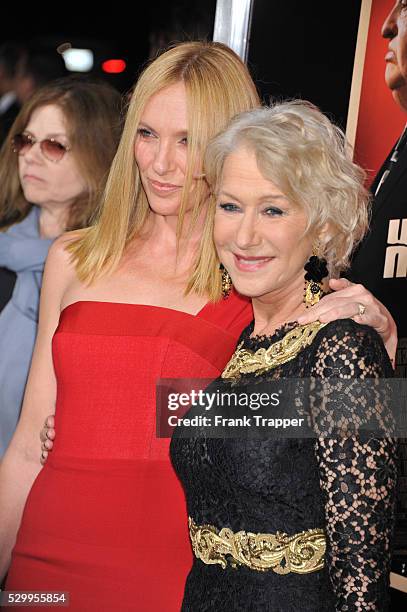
pixel 300 150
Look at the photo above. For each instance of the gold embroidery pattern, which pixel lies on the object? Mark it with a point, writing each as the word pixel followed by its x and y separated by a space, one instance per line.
pixel 244 361
pixel 301 553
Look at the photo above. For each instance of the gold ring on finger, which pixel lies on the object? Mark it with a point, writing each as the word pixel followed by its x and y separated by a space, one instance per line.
pixel 362 309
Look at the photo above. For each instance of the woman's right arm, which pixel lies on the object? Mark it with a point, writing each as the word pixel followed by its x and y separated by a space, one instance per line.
pixel 21 465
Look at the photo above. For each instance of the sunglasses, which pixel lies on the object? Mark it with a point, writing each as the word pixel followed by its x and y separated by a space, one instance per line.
pixel 50 148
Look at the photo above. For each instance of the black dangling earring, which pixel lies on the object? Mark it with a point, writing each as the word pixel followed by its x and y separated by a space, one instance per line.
pixel 316 269
pixel 226 281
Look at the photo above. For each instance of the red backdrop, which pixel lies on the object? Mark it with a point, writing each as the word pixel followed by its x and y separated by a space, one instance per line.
pixel 380 120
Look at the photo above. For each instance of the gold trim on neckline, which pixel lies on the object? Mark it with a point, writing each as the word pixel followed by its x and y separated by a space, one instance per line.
pixel 245 361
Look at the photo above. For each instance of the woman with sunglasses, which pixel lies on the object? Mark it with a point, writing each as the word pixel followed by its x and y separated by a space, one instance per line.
pixel 105 518
pixel 52 170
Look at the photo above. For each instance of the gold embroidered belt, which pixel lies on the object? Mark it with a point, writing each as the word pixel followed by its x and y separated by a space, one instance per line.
pixel 300 553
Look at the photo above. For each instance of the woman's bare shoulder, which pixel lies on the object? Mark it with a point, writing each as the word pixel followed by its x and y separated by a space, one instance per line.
pixel 59 252
pixel 60 266
pixel 60 244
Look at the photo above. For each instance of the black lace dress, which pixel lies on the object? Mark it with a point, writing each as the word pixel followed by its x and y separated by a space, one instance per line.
pixel 344 485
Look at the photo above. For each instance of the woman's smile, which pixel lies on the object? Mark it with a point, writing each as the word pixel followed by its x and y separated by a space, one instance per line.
pixel 250 264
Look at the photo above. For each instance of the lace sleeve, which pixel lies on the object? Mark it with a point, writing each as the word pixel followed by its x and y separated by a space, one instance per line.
pixel 357 470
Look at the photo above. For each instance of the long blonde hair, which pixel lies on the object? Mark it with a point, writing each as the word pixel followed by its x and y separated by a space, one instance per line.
pixel 218 86
pixel 92 111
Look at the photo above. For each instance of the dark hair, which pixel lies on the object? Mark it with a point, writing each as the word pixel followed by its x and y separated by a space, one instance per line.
pixel 11 56
pixel 42 65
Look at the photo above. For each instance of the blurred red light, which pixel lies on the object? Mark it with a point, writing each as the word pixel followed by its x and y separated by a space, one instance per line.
pixel 114 66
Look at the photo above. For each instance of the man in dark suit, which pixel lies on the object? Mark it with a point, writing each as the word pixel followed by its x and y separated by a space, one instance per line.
pixel 381 261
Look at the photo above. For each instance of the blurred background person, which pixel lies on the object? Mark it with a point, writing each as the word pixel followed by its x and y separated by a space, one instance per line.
pixel 31 67
pixel 39 66
pixel 11 57
pixel 53 168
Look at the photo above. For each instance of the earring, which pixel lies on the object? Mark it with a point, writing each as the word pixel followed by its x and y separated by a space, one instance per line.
pixel 316 269
pixel 226 281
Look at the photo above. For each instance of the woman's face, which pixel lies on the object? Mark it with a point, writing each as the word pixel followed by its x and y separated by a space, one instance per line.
pixel 259 233
pixel 161 149
pixel 44 182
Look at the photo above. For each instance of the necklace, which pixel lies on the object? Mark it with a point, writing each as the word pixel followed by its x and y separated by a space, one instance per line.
pixel 245 361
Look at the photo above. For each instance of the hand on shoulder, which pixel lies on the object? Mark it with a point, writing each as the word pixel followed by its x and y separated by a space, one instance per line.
pixel 346 301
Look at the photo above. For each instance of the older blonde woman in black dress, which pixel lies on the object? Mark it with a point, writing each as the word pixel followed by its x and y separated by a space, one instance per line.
pixel 287 196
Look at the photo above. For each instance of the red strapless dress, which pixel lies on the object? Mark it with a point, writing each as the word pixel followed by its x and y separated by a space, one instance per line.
pixel 105 519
